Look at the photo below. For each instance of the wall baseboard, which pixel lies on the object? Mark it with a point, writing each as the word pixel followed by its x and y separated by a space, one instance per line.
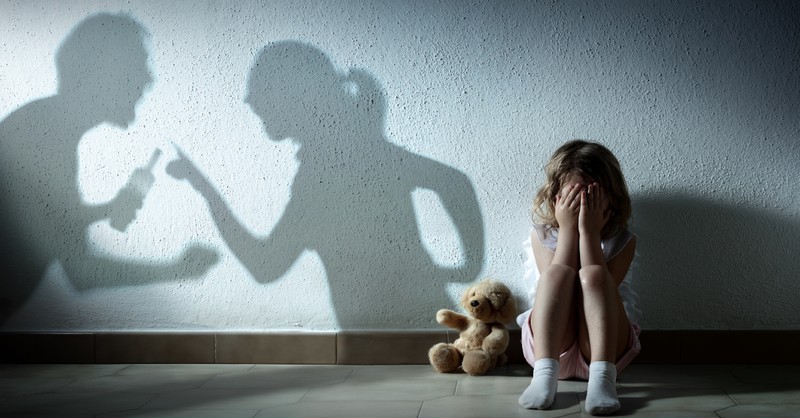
pixel 359 347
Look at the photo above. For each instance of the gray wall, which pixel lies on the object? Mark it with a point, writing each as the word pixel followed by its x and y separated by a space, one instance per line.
pixel 397 159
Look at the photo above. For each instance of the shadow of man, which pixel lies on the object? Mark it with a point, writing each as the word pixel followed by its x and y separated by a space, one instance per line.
pixel 351 199
pixel 102 74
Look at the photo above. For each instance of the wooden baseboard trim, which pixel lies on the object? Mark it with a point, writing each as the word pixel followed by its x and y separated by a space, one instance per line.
pixel 360 347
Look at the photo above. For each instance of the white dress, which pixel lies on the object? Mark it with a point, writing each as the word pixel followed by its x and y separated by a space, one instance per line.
pixel 611 247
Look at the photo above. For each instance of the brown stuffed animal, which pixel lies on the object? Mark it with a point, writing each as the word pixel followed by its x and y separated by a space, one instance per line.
pixel 483 339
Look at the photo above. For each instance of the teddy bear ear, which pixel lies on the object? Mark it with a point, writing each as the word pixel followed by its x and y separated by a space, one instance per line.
pixel 467 295
pixel 509 310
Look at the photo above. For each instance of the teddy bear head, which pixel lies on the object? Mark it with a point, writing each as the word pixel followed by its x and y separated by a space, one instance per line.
pixel 490 301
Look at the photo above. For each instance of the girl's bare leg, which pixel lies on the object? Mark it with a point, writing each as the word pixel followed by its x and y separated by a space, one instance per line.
pixel 554 324
pixel 603 337
pixel 554 317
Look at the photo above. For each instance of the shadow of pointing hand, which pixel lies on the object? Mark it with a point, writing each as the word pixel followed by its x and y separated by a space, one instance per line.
pixel 103 73
pixel 197 259
pixel 184 169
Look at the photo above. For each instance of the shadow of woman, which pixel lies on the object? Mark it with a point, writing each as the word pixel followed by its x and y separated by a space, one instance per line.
pixel 716 265
pixel 102 74
pixel 351 199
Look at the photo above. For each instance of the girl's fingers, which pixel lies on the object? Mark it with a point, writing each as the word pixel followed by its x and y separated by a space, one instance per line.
pixel 579 195
pixel 590 196
pixel 574 195
pixel 597 196
pixel 566 198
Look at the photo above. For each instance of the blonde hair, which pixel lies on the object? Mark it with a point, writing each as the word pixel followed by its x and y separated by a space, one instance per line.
pixel 591 160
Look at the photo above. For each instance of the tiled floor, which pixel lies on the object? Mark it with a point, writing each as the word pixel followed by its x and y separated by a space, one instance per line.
pixel 725 391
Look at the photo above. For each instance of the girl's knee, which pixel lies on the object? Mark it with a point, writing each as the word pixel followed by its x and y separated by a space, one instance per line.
pixel 594 277
pixel 559 272
pixel 557 276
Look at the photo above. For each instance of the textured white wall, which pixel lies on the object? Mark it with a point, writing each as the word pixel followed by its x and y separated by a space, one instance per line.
pixel 370 223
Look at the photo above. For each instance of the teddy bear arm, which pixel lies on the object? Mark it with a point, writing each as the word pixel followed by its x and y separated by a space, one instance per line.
pixel 497 341
pixel 452 319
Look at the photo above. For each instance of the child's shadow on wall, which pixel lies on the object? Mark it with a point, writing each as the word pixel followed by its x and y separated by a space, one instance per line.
pixel 713 264
pixel 351 199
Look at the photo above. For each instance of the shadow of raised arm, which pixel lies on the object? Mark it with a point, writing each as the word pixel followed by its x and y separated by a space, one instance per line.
pixel 267 259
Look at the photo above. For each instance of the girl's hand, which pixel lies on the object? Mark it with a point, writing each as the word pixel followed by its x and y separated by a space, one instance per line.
pixel 594 211
pixel 568 206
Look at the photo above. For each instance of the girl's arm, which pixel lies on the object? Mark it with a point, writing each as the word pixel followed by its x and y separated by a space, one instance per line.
pixel 542 255
pixel 567 211
pixel 619 265
pixel 594 214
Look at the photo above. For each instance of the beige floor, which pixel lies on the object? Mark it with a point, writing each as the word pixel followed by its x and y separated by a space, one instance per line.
pixel 380 391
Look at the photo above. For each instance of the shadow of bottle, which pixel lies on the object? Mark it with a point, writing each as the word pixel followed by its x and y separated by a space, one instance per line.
pixel 102 74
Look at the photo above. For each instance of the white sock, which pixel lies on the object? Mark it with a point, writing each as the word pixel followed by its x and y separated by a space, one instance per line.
pixel 544 385
pixel 601 392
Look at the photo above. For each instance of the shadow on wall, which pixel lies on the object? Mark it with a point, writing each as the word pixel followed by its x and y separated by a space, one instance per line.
pixel 706 262
pixel 102 74
pixel 351 199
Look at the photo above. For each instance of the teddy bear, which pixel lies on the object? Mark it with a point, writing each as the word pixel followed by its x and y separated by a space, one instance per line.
pixel 483 337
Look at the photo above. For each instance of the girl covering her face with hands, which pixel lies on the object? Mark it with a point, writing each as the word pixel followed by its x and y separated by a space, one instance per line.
pixel 583 321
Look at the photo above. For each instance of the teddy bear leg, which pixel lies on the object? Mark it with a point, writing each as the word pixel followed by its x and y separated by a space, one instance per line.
pixel 502 359
pixel 477 362
pixel 444 357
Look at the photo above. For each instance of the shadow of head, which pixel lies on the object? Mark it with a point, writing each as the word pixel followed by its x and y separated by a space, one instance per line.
pixel 103 64
pixel 298 93
pixel 716 263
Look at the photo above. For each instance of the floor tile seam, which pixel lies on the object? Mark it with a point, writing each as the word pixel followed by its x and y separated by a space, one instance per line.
pixel 438 398
pixel 52 391
pixel 736 378
pixel 129 410
pixel 201 381
pixel 349 375
pixel 201 384
pixel 189 408
pixel 274 406
pixel 419 410
pixel 300 400
pixel 55 390
pixel 117 411
pixel 732 399
pixel 568 414
pixel 153 397
pixel 122 371
pixel 727 407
